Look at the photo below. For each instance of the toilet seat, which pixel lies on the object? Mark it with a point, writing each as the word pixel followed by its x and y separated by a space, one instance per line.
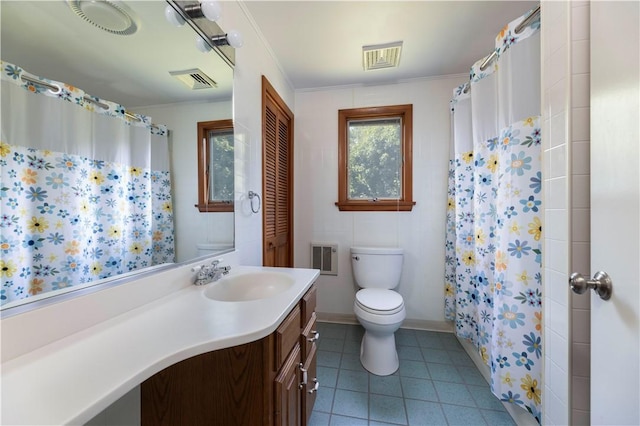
pixel 379 301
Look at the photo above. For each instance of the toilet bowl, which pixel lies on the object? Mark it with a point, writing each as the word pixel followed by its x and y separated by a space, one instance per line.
pixel 378 308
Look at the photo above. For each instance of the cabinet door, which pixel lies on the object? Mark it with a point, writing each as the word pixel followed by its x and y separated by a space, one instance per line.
pixel 288 398
pixel 310 390
pixel 223 387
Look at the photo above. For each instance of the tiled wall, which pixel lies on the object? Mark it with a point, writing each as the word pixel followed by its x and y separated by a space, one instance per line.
pixel 565 57
pixel 420 233
pixel 254 60
pixel 191 226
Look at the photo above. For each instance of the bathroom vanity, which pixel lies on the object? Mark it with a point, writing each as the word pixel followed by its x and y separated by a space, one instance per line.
pixel 199 359
pixel 271 381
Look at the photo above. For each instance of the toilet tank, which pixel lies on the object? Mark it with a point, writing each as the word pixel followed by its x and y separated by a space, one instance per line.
pixel 208 249
pixel 377 267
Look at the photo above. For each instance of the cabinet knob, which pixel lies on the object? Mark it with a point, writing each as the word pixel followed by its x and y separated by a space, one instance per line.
pixel 315 387
pixel 316 336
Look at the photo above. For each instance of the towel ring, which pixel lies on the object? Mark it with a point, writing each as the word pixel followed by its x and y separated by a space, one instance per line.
pixel 253 195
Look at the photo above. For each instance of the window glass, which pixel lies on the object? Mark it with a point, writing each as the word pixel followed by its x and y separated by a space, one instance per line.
pixel 375 159
pixel 221 165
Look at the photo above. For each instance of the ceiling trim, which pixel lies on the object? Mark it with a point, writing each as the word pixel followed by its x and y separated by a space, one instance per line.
pixel 388 83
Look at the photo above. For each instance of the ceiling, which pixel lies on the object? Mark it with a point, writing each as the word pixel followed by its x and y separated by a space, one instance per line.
pixel 319 43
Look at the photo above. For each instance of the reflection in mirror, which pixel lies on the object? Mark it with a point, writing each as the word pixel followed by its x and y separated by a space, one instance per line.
pixel 215 166
pixel 131 75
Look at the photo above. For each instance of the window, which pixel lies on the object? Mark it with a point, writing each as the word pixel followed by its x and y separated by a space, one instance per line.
pixel 215 166
pixel 375 159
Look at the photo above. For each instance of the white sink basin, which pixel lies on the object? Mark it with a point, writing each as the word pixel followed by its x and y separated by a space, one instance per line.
pixel 249 286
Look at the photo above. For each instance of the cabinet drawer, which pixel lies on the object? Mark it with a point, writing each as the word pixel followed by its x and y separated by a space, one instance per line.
pixel 309 304
pixel 309 336
pixel 287 336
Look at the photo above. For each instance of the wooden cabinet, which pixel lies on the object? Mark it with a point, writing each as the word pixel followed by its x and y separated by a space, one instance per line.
pixel 258 383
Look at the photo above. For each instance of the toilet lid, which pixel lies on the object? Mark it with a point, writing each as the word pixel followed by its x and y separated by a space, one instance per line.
pixel 379 300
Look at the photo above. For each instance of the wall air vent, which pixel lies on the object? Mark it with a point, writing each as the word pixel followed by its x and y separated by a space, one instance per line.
pixel 325 258
pixel 195 79
pixel 381 56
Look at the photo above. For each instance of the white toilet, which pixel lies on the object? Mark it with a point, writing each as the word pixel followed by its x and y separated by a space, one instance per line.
pixel 378 308
pixel 209 249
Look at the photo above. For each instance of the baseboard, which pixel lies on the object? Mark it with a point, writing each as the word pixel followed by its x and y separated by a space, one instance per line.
pixel 444 326
pixel 518 414
pixel 337 318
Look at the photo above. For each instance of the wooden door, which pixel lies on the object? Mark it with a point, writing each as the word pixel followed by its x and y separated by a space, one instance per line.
pixel 615 211
pixel 277 155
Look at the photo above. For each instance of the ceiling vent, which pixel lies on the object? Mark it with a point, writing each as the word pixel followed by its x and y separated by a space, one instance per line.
pixel 381 56
pixel 195 79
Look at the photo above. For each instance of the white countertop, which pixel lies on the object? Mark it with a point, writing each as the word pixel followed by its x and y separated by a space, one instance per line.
pixel 71 380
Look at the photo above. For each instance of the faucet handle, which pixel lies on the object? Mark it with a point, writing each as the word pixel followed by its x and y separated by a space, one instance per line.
pixel 216 262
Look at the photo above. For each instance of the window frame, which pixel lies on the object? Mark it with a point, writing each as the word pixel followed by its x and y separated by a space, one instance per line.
pixel 204 204
pixel 405 202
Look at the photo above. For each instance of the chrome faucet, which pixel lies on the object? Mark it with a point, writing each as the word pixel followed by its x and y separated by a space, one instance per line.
pixel 208 273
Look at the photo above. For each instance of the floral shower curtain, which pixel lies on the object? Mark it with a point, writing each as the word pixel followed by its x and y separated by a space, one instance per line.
pixel 85 190
pixel 493 246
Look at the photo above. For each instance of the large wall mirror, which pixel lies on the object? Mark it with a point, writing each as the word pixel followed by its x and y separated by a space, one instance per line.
pixel 150 67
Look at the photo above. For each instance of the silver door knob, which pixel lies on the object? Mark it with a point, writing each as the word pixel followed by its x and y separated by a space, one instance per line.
pixel 601 284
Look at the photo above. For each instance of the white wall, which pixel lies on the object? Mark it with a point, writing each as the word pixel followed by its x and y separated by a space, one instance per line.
pixel 253 61
pixel 420 232
pixel 566 100
pixel 191 226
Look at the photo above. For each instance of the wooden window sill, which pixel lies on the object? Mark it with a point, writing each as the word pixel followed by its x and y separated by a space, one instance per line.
pixel 380 205
pixel 215 207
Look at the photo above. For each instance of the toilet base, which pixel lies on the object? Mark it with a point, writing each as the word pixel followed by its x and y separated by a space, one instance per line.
pixel 378 353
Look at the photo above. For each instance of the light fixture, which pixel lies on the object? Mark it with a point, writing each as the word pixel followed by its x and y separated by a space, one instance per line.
pixel 173 17
pixel 202 45
pixel 202 16
pixel 232 38
pixel 209 9
pixel 110 16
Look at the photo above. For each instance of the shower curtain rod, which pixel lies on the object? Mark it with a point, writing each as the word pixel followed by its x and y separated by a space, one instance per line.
pixel 56 89
pixel 532 14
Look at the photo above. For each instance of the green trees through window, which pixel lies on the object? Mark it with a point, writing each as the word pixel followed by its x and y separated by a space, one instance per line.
pixel 375 158
pixel 221 165
pixel 375 161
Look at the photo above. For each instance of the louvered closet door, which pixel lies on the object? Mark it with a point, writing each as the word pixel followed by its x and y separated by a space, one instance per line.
pixel 277 191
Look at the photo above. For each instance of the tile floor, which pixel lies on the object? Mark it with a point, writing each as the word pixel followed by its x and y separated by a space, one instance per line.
pixel 437 383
